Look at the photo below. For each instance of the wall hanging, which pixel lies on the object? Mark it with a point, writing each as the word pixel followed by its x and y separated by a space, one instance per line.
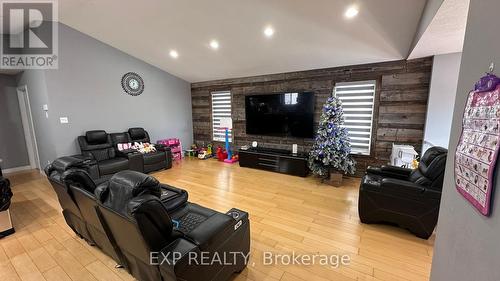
pixel 477 150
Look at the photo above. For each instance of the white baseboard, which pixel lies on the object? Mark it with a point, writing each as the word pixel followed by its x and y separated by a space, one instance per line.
pixel 16 169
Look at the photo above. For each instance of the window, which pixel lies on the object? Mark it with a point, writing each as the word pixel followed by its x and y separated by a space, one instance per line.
pixel 357 101
pixel 221 108
pixel 291 98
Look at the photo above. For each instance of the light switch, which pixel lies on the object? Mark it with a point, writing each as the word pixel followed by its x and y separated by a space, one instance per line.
pixel 64 120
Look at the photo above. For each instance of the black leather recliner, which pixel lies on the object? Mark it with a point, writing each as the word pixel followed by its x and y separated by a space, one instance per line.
pixel 161 159
pixel 74 187
pixel 70 210
pixel 97 145
pixel 144 227
pixel 81 188
pixel 405 197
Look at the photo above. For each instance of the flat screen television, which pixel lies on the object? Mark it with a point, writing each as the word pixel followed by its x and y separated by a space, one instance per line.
pixel 284 114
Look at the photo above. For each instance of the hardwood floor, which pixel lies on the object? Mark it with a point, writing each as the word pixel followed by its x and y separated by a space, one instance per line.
pixel 287 214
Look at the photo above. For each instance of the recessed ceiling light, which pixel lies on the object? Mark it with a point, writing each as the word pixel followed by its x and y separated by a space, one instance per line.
pixel 174 54
pixel 269 31
pixel 214 44
pixel 351 12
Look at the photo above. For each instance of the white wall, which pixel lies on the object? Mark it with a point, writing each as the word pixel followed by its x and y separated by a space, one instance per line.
pixel 467 245
pixel 86 88
pixel 441 100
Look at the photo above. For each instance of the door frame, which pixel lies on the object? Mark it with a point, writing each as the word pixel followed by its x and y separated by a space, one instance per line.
pixel 28 126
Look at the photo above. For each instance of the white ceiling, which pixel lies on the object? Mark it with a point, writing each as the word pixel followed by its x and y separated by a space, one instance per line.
pixel 308 34
pixel 446 32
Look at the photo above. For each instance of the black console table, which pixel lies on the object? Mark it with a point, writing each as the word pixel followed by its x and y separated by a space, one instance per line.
pixel 275 160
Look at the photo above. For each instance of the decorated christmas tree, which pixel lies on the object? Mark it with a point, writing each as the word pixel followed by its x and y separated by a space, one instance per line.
pixel 332 147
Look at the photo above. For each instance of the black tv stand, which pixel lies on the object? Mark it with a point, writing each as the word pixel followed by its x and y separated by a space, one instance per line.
pixel 275 160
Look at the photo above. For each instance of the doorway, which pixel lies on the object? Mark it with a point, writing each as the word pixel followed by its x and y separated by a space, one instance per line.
pixel 28 127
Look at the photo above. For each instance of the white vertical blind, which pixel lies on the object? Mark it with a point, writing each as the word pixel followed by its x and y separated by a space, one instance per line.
pixel 357 101
pixel 221 108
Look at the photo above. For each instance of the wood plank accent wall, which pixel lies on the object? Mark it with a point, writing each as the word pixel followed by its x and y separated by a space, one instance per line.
pixel 400 103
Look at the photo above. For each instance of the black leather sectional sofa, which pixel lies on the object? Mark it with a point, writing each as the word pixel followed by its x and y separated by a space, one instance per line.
pixel 150 228
pixel 100 150
pixel 405 197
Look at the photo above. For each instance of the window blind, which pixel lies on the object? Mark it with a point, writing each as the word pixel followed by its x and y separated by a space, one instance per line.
pixel 357 101
pixel 221 108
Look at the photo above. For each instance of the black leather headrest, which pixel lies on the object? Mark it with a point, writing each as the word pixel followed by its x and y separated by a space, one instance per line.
pixel 137 133
pixel 55 170
pixel 80 179
pixel 117 138
pixel 96 137
pixel 432 153
pixel 433 163
pixel 66 162
pixel 126 185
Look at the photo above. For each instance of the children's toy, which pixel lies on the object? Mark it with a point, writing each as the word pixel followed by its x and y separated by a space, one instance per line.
pixel 221 154
pixel 189 153
pixel 227 124
pixel 204 155
pixel 175 147
pixel 144 148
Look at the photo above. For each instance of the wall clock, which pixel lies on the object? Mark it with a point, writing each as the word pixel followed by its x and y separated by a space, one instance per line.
pixel 132 84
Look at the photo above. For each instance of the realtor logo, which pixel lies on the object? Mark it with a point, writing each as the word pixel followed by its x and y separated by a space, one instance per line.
pixel 29 35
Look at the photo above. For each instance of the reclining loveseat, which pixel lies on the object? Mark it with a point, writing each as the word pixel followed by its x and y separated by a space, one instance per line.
pixel 146 163
pixel 149 228
pixel 102 149
pixel 405 197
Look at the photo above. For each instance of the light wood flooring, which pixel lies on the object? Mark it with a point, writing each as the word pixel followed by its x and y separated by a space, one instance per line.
pixel 287 214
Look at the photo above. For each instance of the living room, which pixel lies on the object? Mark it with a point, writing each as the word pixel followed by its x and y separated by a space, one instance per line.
pixel 258 140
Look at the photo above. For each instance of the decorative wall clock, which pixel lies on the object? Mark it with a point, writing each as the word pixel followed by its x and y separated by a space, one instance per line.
pixel 132 84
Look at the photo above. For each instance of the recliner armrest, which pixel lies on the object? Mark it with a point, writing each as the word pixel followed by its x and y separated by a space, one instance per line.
pixel 396 169
pixel 83 157
pixel 390 171
pixel 125 152
pixel 408 189
pixel 209 231
pixel 397 185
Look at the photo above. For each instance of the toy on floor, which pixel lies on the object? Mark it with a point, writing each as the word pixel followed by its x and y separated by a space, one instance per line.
pixel 221 154
pixel 209 149
pixel 203 154
pixel 227 124
pixel 189 153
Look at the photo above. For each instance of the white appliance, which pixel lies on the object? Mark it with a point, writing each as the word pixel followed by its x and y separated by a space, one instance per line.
pixel 403 155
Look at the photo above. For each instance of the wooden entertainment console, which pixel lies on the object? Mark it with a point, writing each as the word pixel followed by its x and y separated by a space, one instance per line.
pixel 274 160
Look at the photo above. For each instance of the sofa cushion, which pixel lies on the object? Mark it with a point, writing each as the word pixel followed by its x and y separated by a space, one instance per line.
pixel 154 157
pixel 113 165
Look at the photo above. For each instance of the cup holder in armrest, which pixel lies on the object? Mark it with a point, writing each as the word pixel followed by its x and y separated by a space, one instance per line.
pixel 237 214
